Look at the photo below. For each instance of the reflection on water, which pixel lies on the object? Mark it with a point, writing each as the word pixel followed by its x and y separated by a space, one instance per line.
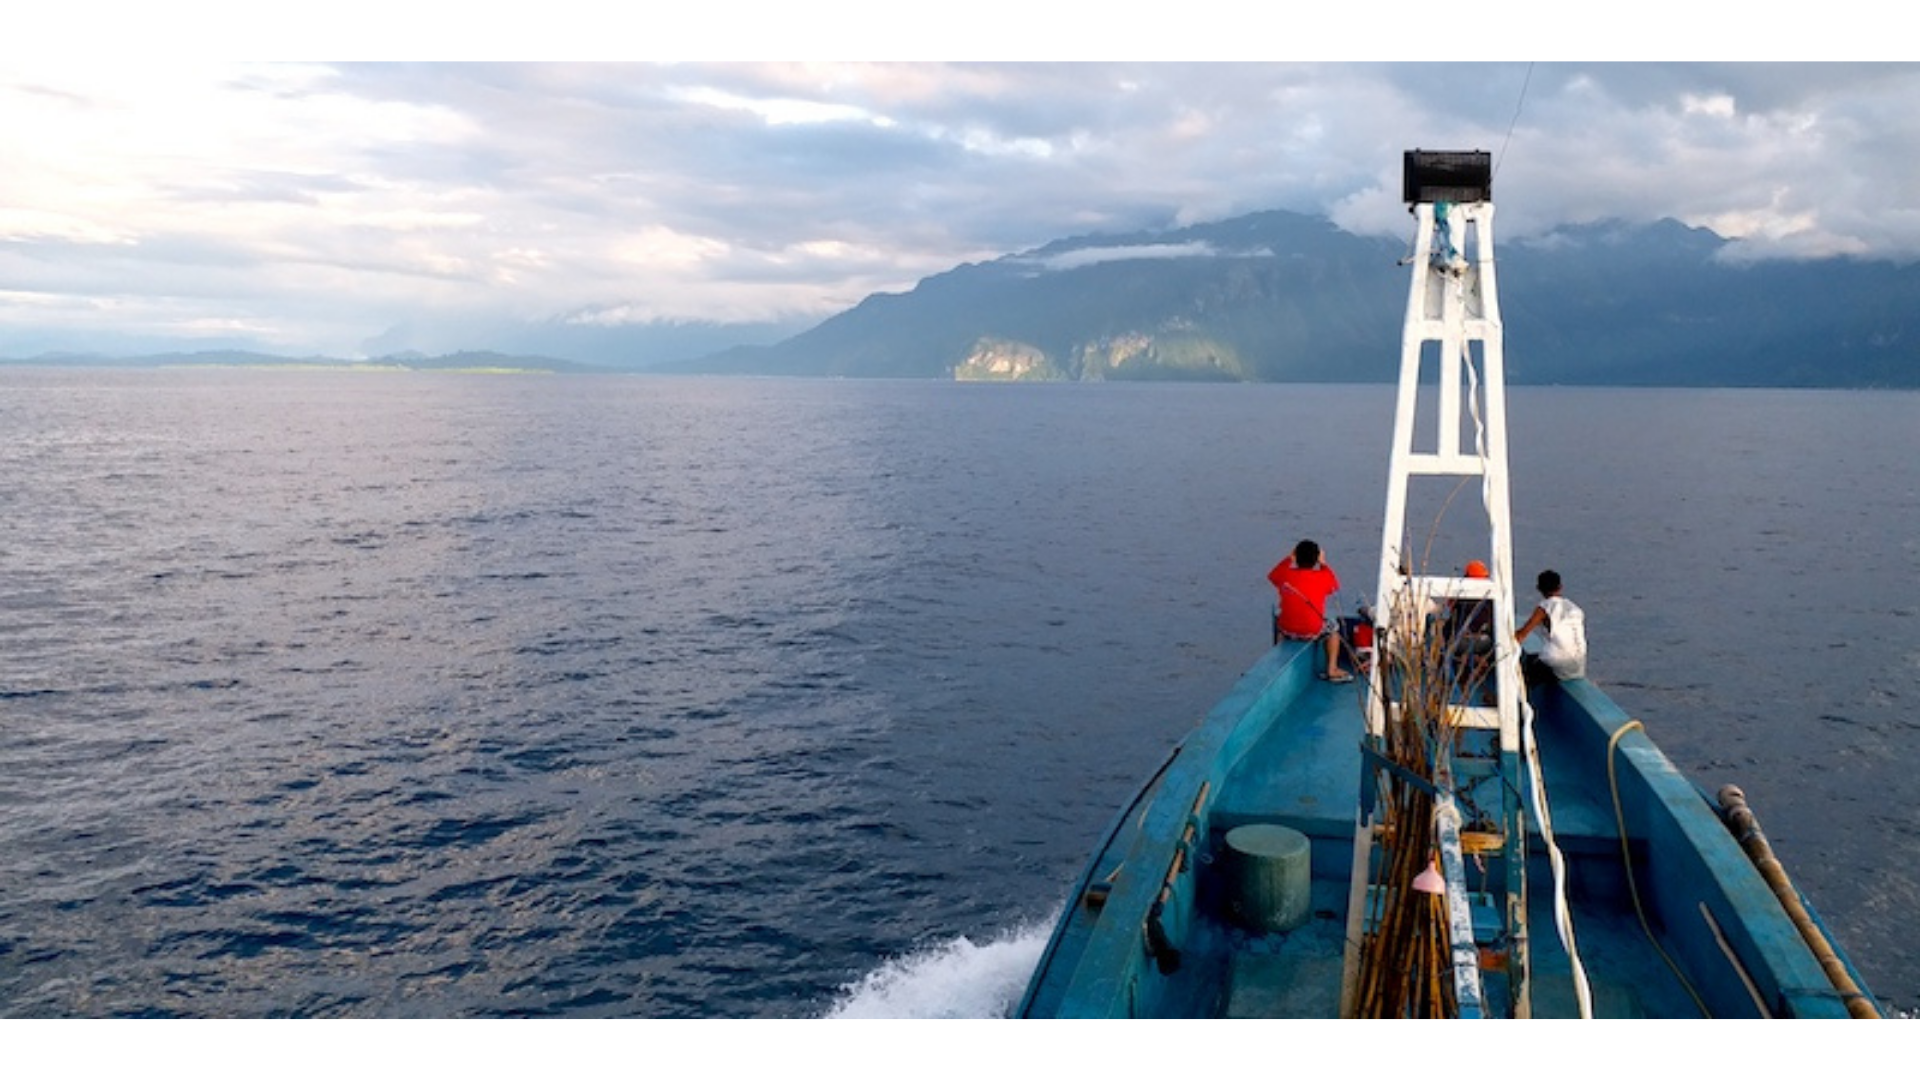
pixel 353 694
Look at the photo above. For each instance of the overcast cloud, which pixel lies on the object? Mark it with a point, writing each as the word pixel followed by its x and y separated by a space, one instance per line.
pixel 347 209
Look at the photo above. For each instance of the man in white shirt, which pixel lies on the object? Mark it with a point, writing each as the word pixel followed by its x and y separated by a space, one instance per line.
pixel 1563 653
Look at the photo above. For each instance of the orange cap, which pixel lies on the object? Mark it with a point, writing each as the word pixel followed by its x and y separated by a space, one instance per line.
pixel 1476 568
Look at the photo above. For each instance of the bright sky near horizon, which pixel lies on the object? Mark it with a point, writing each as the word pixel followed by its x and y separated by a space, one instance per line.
pixel 304 207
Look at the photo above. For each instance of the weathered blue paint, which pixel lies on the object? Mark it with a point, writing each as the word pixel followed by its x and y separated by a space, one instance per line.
pixel 1693 860
pixel 1283 747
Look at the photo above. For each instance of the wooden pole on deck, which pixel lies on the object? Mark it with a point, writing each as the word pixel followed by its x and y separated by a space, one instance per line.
pixel 1747 828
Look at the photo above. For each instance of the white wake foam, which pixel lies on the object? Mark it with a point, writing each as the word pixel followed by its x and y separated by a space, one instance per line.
pixel 956 979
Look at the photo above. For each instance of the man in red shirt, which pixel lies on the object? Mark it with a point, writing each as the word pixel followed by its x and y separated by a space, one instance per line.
pixel 1304 582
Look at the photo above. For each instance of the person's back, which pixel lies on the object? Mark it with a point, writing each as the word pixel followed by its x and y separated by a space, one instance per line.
pixel 1565 651
pixel 1303 581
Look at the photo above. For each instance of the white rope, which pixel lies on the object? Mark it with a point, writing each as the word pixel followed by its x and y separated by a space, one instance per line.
pixel 1473 410
pixel 1562 914
pixel 1562 917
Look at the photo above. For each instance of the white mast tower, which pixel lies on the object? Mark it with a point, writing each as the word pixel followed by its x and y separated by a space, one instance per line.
pixel 1453 331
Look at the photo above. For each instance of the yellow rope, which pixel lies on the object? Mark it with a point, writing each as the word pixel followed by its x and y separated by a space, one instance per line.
pixel 1626 858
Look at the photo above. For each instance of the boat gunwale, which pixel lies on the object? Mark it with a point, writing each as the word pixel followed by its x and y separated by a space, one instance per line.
pixel 1684 856
pixel 1692 859
pixel 1192 780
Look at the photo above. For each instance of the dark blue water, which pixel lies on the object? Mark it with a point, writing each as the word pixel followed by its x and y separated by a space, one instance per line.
pixel 359 694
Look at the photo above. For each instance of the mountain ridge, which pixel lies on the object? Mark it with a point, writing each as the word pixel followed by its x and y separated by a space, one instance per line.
pixel 1279 296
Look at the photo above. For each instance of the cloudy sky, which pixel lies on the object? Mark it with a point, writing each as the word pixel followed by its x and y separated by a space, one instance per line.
pixel 356 209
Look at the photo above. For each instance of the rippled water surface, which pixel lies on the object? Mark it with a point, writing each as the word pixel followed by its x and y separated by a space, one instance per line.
pixel 376 694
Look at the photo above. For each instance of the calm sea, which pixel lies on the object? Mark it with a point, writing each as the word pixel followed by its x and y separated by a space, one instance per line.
pixel 375 694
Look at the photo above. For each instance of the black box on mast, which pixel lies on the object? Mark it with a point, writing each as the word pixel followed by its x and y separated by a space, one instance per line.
pixel 1459 176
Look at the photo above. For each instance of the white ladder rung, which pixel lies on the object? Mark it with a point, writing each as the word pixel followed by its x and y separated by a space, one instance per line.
pixel 1439 587
pixel 1481 717
pixel 1446 464
pixel 1470 717
pixel 1432 329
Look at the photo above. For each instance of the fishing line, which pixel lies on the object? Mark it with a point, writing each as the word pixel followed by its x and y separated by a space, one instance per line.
pixel 1511 124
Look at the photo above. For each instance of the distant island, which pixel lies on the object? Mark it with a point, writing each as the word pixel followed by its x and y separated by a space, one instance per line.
pixel 1275 297
pixel 460 363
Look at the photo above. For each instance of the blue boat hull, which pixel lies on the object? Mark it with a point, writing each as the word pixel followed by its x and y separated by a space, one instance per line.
pixel 1149 932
